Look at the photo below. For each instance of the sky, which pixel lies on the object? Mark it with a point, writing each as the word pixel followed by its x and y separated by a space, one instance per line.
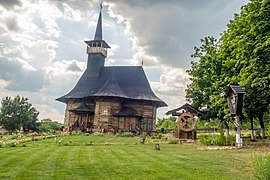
pixel 42 53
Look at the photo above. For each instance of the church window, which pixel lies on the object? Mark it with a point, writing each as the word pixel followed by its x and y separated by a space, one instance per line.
pixel 105 112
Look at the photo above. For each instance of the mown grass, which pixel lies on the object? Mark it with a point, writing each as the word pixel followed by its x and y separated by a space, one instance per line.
pixel 122 158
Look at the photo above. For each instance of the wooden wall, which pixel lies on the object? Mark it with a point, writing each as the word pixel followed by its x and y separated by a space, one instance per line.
pixel 104 111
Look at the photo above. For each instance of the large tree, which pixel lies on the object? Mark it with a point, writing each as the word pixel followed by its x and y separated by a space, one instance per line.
pixel 245 50
pixel 242 58
pixel 16 113
pixel 204 91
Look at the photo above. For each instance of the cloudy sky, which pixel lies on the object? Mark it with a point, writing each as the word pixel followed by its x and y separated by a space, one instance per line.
pixel 42 53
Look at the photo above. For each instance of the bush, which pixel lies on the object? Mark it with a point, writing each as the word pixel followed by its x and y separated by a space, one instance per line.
pixel 261 167
pixel 159 136
pixel 172 141
pixel 125 134
pixel 217 140
pixel 99 134
pixel 75 133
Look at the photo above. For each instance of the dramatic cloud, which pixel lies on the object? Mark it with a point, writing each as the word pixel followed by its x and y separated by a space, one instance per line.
pixel 19 78
pixel 167 31
pixel 10 4
pixel 12 24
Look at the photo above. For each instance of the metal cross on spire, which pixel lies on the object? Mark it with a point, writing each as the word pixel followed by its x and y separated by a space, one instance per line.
pixel 100 5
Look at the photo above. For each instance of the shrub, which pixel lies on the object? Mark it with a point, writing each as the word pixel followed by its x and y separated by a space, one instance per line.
pixel 217 140
pixel 125 134
pixel 13 143
pixel 98 134
pixel 76 133
pixel 159 136
pixel 172 141
pixel 261 167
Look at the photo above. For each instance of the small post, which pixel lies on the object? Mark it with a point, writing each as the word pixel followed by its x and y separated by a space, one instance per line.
pixel 239 142
pixel 235 95
pixel 157 147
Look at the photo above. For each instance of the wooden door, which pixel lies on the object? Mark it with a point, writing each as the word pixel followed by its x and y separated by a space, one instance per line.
pixel 127 123
pixel 84 120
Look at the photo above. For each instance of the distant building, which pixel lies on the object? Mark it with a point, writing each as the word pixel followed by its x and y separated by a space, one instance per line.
pixel 110 98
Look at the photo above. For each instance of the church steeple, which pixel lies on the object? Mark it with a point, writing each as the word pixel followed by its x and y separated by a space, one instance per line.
pixel 97 49
pixel 98 34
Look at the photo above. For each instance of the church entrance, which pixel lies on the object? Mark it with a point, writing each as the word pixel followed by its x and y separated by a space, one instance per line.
pixel 84 120
pixel 129 123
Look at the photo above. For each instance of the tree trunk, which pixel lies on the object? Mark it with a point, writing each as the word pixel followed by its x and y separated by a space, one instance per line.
pixel 252 129
pixel 262 124
pixel 226 129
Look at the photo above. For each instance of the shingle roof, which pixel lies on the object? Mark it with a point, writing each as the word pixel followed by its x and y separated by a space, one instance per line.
pixel 82 109
pixel 128 82
pixel 186 107
pixel 128 111
pixel 235 88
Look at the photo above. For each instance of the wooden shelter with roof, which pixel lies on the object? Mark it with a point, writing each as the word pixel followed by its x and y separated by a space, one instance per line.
pixel 186 121
pixel 110 98
pixel 187 108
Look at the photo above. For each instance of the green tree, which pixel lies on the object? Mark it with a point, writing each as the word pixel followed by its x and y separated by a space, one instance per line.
pixel 241 57
pixel 245 50
pixel 160 121
pixel 47 125
pixel 204 91
pixel 203 73
pixel 16 113
pixel 168 124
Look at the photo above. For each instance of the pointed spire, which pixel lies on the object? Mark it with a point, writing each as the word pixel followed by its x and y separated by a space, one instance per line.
pixel 98 34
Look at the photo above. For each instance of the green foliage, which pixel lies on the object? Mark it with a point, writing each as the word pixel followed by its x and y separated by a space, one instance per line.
pixel 173 118
pixel 16 113
pixel 172 141
pixel 241 56
pixel 168 124
pixel 261 167
pixel 99 134
pixel 217 140
pixel 159 136
pixel 125 134
pixel 160 122
pixel 77 133
pixel 47 125
pixel 210 123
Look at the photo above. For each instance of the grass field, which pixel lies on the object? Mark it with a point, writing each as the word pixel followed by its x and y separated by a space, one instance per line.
pixel 122 158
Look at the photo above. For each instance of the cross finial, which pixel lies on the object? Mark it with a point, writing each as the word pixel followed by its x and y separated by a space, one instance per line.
pixel 100 5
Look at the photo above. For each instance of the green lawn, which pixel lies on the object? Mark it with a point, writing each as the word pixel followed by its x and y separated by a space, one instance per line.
pixel 122 158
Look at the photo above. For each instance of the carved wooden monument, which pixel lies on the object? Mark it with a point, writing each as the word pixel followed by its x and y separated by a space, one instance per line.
pixel 186 121
pixel 235 96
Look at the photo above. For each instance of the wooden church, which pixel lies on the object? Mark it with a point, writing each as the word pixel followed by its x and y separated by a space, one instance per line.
pixel 110 98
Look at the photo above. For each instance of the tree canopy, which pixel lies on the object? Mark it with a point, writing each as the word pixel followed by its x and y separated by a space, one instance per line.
pixel 47 125
pixel 18 112
pixel 241 56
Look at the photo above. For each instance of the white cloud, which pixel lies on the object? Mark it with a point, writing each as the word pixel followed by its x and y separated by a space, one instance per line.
pixel 40 53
